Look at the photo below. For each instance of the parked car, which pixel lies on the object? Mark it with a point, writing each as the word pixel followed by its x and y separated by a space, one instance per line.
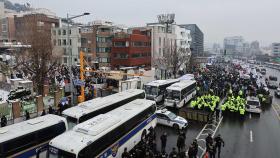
pixel 272 84
pixel 277 93
pixel 168 118
pixel 253 105
pixel 263 71
pixel 273 78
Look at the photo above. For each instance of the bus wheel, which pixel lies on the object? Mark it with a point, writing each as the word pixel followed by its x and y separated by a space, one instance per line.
pixel 144 134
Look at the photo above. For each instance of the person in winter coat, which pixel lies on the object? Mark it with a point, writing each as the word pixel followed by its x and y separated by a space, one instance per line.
pixel 219 142
pixel 163 139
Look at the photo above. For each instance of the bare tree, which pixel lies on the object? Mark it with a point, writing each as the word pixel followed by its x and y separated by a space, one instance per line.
pixel 177 58
pixel 41 57
pixel 173 58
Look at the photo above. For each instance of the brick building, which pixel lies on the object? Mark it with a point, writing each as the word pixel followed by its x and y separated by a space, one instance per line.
pixel 96 42
pixel 104 34
pixel 7 29
pixel 88 43
pixel 132 48
pixel 25 26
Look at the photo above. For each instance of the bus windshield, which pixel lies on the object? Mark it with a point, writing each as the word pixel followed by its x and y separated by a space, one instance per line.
pixel 174 95
pixel 71 121
pixel 150 90
pixel 56 153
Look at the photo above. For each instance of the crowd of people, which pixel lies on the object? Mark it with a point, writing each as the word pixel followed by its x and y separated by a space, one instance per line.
pixel 214 145
pixel 234 104
pixel 147 148
pixel 207 102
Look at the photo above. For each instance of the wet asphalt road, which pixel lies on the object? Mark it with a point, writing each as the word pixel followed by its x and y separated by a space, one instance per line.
pixel 172 135
pixel 251 137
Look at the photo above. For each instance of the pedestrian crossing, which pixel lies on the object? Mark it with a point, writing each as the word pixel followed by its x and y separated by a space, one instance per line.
pixel 277 110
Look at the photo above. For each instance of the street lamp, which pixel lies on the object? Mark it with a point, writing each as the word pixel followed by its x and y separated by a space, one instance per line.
pixel 70 52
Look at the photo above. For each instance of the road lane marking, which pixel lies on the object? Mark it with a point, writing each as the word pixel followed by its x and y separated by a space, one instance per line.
pixel 251 136
pixel 277 114
pixel 207 128
pixel 250 116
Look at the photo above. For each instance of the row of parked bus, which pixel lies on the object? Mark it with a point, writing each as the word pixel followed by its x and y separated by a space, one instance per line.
pixel 173 92
pixel 96 128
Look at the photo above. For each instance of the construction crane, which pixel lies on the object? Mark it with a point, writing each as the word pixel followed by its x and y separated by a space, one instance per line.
pixel 84 63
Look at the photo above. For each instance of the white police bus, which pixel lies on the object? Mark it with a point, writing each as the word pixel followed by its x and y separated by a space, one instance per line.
pixel 107 135
pixel 180 93
pixel 156 90
pixel 94 107
pixel 29 138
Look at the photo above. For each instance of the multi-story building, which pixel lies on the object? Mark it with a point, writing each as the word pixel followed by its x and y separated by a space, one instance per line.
pixel 88 44
pixel 164 41
pixel 7 29
pixel 7 24
pixel 233 45
pixel 255 45
pixel 96 41
pixel 183 41
pixel 161 41
pixel 104 31
pixel 104 34
pixel 183 38
pixel 60 37
pixel 246 48
pixel 132 48
pixel 27 26
pixel 197 44
pixel 255 48
pixel 216 49
pixel 276 49
pixel 2 7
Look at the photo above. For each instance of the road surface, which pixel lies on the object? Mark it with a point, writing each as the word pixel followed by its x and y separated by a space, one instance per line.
pixel 250 137
pixel 193 130
pixel 253 137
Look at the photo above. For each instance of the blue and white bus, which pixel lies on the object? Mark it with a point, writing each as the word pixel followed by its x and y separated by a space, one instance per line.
pixel 107 135
pixel 94 107
pixel 30 138
pixel 180 93
pixel 156 90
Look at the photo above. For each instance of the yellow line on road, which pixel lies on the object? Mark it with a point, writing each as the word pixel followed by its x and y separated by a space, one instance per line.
pixel 277 114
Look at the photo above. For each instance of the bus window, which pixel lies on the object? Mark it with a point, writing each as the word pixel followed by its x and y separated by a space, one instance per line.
pixel 174 95
pixel 150 90
pixel 50 132
pixel 17 144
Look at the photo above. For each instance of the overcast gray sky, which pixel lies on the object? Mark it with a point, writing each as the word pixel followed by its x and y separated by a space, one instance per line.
pixel 253 19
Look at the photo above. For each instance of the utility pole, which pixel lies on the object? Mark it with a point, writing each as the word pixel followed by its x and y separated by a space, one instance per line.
pixel 70 53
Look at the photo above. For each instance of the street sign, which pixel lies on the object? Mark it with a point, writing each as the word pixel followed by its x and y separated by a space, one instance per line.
pixel 79 82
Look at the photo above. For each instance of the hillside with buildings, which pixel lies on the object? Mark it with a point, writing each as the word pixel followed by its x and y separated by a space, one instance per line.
pixel 16 6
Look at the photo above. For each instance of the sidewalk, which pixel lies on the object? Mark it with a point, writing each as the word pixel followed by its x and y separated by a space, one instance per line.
pixel 34 115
